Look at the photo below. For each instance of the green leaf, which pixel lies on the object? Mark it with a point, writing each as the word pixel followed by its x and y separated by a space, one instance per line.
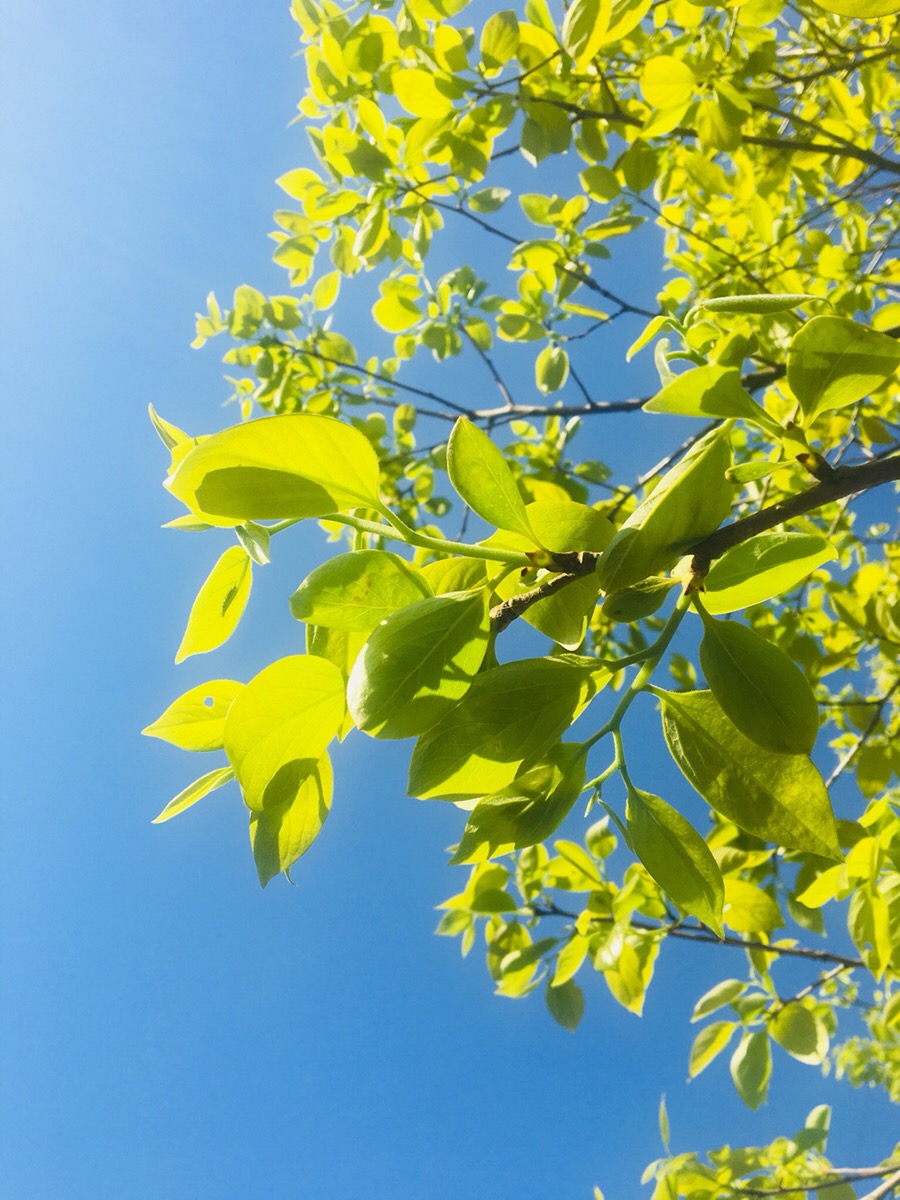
pixel 676 856
pixel 507 720
pixel 499 39
pixel 748 909
pixel 527 811
pixel 455 575
pixel 278 727
pixel 771 564
pixel 551 369
pixel 248 312
pixel 195 791
pixel 569 959
pixel 667 82
pixel 600 183
pixel 417 663
pixel 833 362
pixel 641 600
pixel 760 689
pixel 762 302
pixel 719 995
pixel 711 391
pixel 796 1030
pixel 488 200
pixel 356 591
pixel 219 605
pixel 418 92
pixel 751 1068
pixel 196 720
pixel 298 465
pixel 862 10
pixel 778 797
pixel 708 1044
pixel 279 836
pixel 584 28
pixel 255 539
pixel 566 1004
pixel 481 475
pixel 689 502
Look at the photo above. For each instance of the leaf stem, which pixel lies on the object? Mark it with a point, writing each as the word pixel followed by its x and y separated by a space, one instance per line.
pixel 397 531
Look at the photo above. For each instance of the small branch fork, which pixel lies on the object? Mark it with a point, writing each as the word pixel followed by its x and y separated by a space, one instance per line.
pixel 834 1178
pixel 841 481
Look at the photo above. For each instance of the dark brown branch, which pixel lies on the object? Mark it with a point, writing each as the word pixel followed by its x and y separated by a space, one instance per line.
pixel 844 481
pixel 863 737
pixel 697 933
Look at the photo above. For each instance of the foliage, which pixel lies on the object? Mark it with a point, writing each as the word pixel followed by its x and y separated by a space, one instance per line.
pixel 757 139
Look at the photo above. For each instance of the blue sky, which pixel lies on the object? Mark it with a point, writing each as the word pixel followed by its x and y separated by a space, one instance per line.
pixel 168 1029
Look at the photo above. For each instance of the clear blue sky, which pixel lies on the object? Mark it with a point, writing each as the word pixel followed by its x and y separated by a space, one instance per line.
pixel 168 1029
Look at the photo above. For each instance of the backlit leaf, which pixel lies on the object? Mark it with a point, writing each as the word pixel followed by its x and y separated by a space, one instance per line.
pixel 481 475
pixel 299 465
pixel 796 1030
pixel 584 28
pixel 771 564
pixel 751 1068
pixel 763 692
pixel 833 362
pixel 196 720
pixel 676 856
pixel 778 797
pixel 356 591
pixel 195 791
pixel 279 836
pixel 667 82
pixel 279 725
pixel 219 605
pixel 709 1042
pixel 748 909
pixel 417 663
pixel 711 391
pixel 506 721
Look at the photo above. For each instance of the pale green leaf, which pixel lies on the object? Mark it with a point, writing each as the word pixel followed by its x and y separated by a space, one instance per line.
pixel 196 720
pixel 711 391
pixel 299 465
pixel 676 856
pixel 219 605
pixel 584 27
pixel 417 663
pixel 551 369
pixel 778 797
pixel 751 1068
pixel 708 1044
pixel 667 82
pixel 506 721
pixel 356 591
pixel 278 727
pixel 195 791
pixel 748 909
pixel 771 564
pixel 719 995
pixel 833 362
pixel 418 92
pixel 279 836
pixel 796 1030
pixel 499 39
pixel 481 475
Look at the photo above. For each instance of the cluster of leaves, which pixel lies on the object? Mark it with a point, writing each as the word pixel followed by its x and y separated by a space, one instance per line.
pixel 758 137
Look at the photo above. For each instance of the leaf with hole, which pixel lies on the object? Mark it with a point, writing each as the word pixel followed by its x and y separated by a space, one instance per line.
pixel 196 720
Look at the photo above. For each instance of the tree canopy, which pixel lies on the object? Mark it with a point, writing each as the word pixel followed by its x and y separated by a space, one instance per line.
pixel 487 181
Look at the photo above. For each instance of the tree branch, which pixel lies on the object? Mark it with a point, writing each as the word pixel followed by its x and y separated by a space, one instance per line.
pixel 843 481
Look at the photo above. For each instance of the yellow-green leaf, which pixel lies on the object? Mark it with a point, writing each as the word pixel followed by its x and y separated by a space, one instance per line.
pixel 584 28
pixel 481 475
pixel 195 791
pixel 778 797
pixel 196 720
pixel 748 909
pixel 768 565
pixel 419 94
pixel 357 590
pixel 298 465
pixel 279 836
pixel 278 727
pixel 709 1042
pixel 667 82
pixel 763 692
pixel 796 1030
pixel 219 605
pixel 676 856
pixel 751 1068
pixel 833 362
